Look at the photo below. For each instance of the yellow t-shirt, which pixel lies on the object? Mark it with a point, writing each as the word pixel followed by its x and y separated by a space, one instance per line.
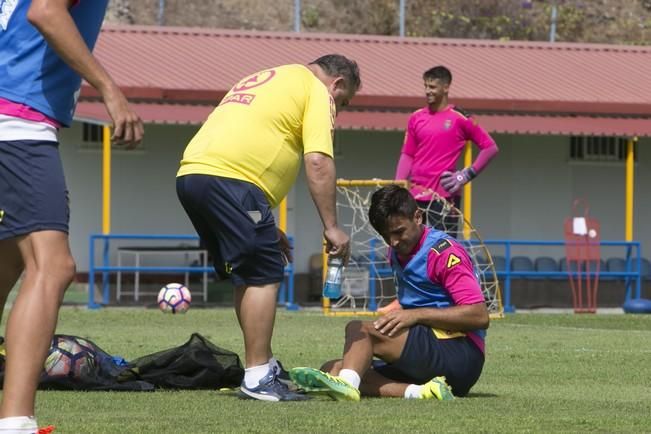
pixel 261 129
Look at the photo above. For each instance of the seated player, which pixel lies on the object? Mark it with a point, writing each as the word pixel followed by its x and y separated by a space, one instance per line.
pixel 436 341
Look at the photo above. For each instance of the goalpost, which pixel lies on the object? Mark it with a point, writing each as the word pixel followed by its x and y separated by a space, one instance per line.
pixel 368 279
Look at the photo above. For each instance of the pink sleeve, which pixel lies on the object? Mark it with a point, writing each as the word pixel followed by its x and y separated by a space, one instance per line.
pixel 484 157
pixel 487 146
pixel 409 144
pixel 452 269
pixel 404 166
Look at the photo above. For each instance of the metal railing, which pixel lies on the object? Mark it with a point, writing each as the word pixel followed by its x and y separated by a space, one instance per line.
pixel 285 294
pixel 633 271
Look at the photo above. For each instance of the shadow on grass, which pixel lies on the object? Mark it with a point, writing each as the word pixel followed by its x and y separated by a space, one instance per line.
pixel 481 395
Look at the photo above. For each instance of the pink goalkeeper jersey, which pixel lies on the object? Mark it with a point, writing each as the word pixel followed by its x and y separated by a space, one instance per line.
pixel 435 140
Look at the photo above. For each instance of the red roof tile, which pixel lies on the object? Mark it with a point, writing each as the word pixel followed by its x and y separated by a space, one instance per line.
pixel 396 121
pixel 189 64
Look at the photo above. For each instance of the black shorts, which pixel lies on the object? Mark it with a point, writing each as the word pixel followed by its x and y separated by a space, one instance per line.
pixel 33 193
pixel 235 223
pixel 425 357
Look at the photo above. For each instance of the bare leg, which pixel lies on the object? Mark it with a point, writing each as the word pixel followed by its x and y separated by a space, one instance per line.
pixel 373 384
pixel 49 269
pixel 11 267
pixel 363 342
pixel 255 307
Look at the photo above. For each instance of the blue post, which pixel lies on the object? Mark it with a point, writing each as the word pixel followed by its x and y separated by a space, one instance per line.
pixel 629 267
pixel 282 290
pixel 290 283
pixel 105 275
pixel 508 307
pixel 638 289
pixel 91 275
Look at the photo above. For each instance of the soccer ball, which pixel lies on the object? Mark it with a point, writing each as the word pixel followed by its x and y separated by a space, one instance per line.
pixel 68 357
pixel 174 298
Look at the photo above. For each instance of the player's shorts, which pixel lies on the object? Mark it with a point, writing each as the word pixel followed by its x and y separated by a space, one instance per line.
pixel 33 193
pixel 235 223
pixel 425 357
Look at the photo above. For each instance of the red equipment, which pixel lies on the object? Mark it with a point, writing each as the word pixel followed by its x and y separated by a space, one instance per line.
pixel 583 256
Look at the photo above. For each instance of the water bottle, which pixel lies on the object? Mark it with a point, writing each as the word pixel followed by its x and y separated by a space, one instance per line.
pixel 334 277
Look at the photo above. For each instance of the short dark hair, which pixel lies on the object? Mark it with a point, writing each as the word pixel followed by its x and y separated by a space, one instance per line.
pixel 337 65
pixel 438 73
pixel 390 201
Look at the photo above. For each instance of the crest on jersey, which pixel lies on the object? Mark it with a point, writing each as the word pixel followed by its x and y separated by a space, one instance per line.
pixel 453 260
pixel 447 124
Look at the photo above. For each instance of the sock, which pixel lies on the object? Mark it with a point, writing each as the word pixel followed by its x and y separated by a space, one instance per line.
pixel 350 376
pixel 252 376
pixel 18 425
pixel 413 391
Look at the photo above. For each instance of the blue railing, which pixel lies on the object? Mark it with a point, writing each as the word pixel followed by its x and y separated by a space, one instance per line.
pixel 632 273
pixel 285 294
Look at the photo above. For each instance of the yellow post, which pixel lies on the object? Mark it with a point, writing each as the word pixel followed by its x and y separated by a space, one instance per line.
pixel 106 179
pixel 467 192
pixel 629 188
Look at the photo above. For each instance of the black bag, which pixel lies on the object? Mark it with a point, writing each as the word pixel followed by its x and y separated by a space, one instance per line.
pixel 197 364
pixel 74 363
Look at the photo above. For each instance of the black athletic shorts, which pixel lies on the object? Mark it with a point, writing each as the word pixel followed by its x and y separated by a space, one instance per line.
pixel 425 357
pixel 234 221
pixel 33 193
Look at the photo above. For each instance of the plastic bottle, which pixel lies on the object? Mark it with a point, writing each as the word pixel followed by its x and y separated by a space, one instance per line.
pixel 334 277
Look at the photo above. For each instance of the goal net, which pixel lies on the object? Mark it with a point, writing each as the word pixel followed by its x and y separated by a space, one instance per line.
pixel 368 279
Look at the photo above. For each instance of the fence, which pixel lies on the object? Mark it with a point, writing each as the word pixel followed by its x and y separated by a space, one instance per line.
pixel 285 294
pixel 633 266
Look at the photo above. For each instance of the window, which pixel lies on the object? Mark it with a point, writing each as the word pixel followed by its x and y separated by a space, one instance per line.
pixel 591 148
pixel 91 139
pixel 92 133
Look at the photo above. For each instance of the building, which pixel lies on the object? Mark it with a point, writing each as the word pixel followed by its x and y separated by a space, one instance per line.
pixel 562 114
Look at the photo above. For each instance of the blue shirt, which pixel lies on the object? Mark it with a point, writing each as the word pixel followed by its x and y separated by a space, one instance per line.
pixel 32 73
pixel 415 289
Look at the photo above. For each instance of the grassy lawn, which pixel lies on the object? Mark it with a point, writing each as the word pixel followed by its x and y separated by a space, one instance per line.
pixel 544 373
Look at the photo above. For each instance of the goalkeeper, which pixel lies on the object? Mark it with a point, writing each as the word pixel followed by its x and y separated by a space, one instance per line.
pixel 434 139
pixel 436 342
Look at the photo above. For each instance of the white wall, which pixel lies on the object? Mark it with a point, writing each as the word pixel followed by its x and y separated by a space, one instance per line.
pixel 525 193
pixel 143 187
pixel 528 190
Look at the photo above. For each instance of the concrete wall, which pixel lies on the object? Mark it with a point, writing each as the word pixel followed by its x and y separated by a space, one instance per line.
pixel 526 192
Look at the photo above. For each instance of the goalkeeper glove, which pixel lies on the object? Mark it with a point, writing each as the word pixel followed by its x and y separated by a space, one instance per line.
pixel 453 181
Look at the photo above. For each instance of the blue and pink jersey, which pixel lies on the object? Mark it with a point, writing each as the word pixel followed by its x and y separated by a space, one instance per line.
pixel 434 140
pixel 438 273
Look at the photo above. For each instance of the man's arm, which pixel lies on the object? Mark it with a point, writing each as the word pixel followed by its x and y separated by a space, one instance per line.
pixel 487 151
pixel 404 166
pixel 53 20
pixel 403 169
pixel 320 172
pixel 457 318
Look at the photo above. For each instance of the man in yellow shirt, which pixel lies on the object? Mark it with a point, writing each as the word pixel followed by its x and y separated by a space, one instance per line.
pixel 240 165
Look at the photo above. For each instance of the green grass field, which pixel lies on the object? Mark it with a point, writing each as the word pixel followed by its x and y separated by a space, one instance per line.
pixel 544 373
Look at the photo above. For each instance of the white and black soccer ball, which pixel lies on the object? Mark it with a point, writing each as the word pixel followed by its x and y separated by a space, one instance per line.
pixel 174 298
pixel 69 357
